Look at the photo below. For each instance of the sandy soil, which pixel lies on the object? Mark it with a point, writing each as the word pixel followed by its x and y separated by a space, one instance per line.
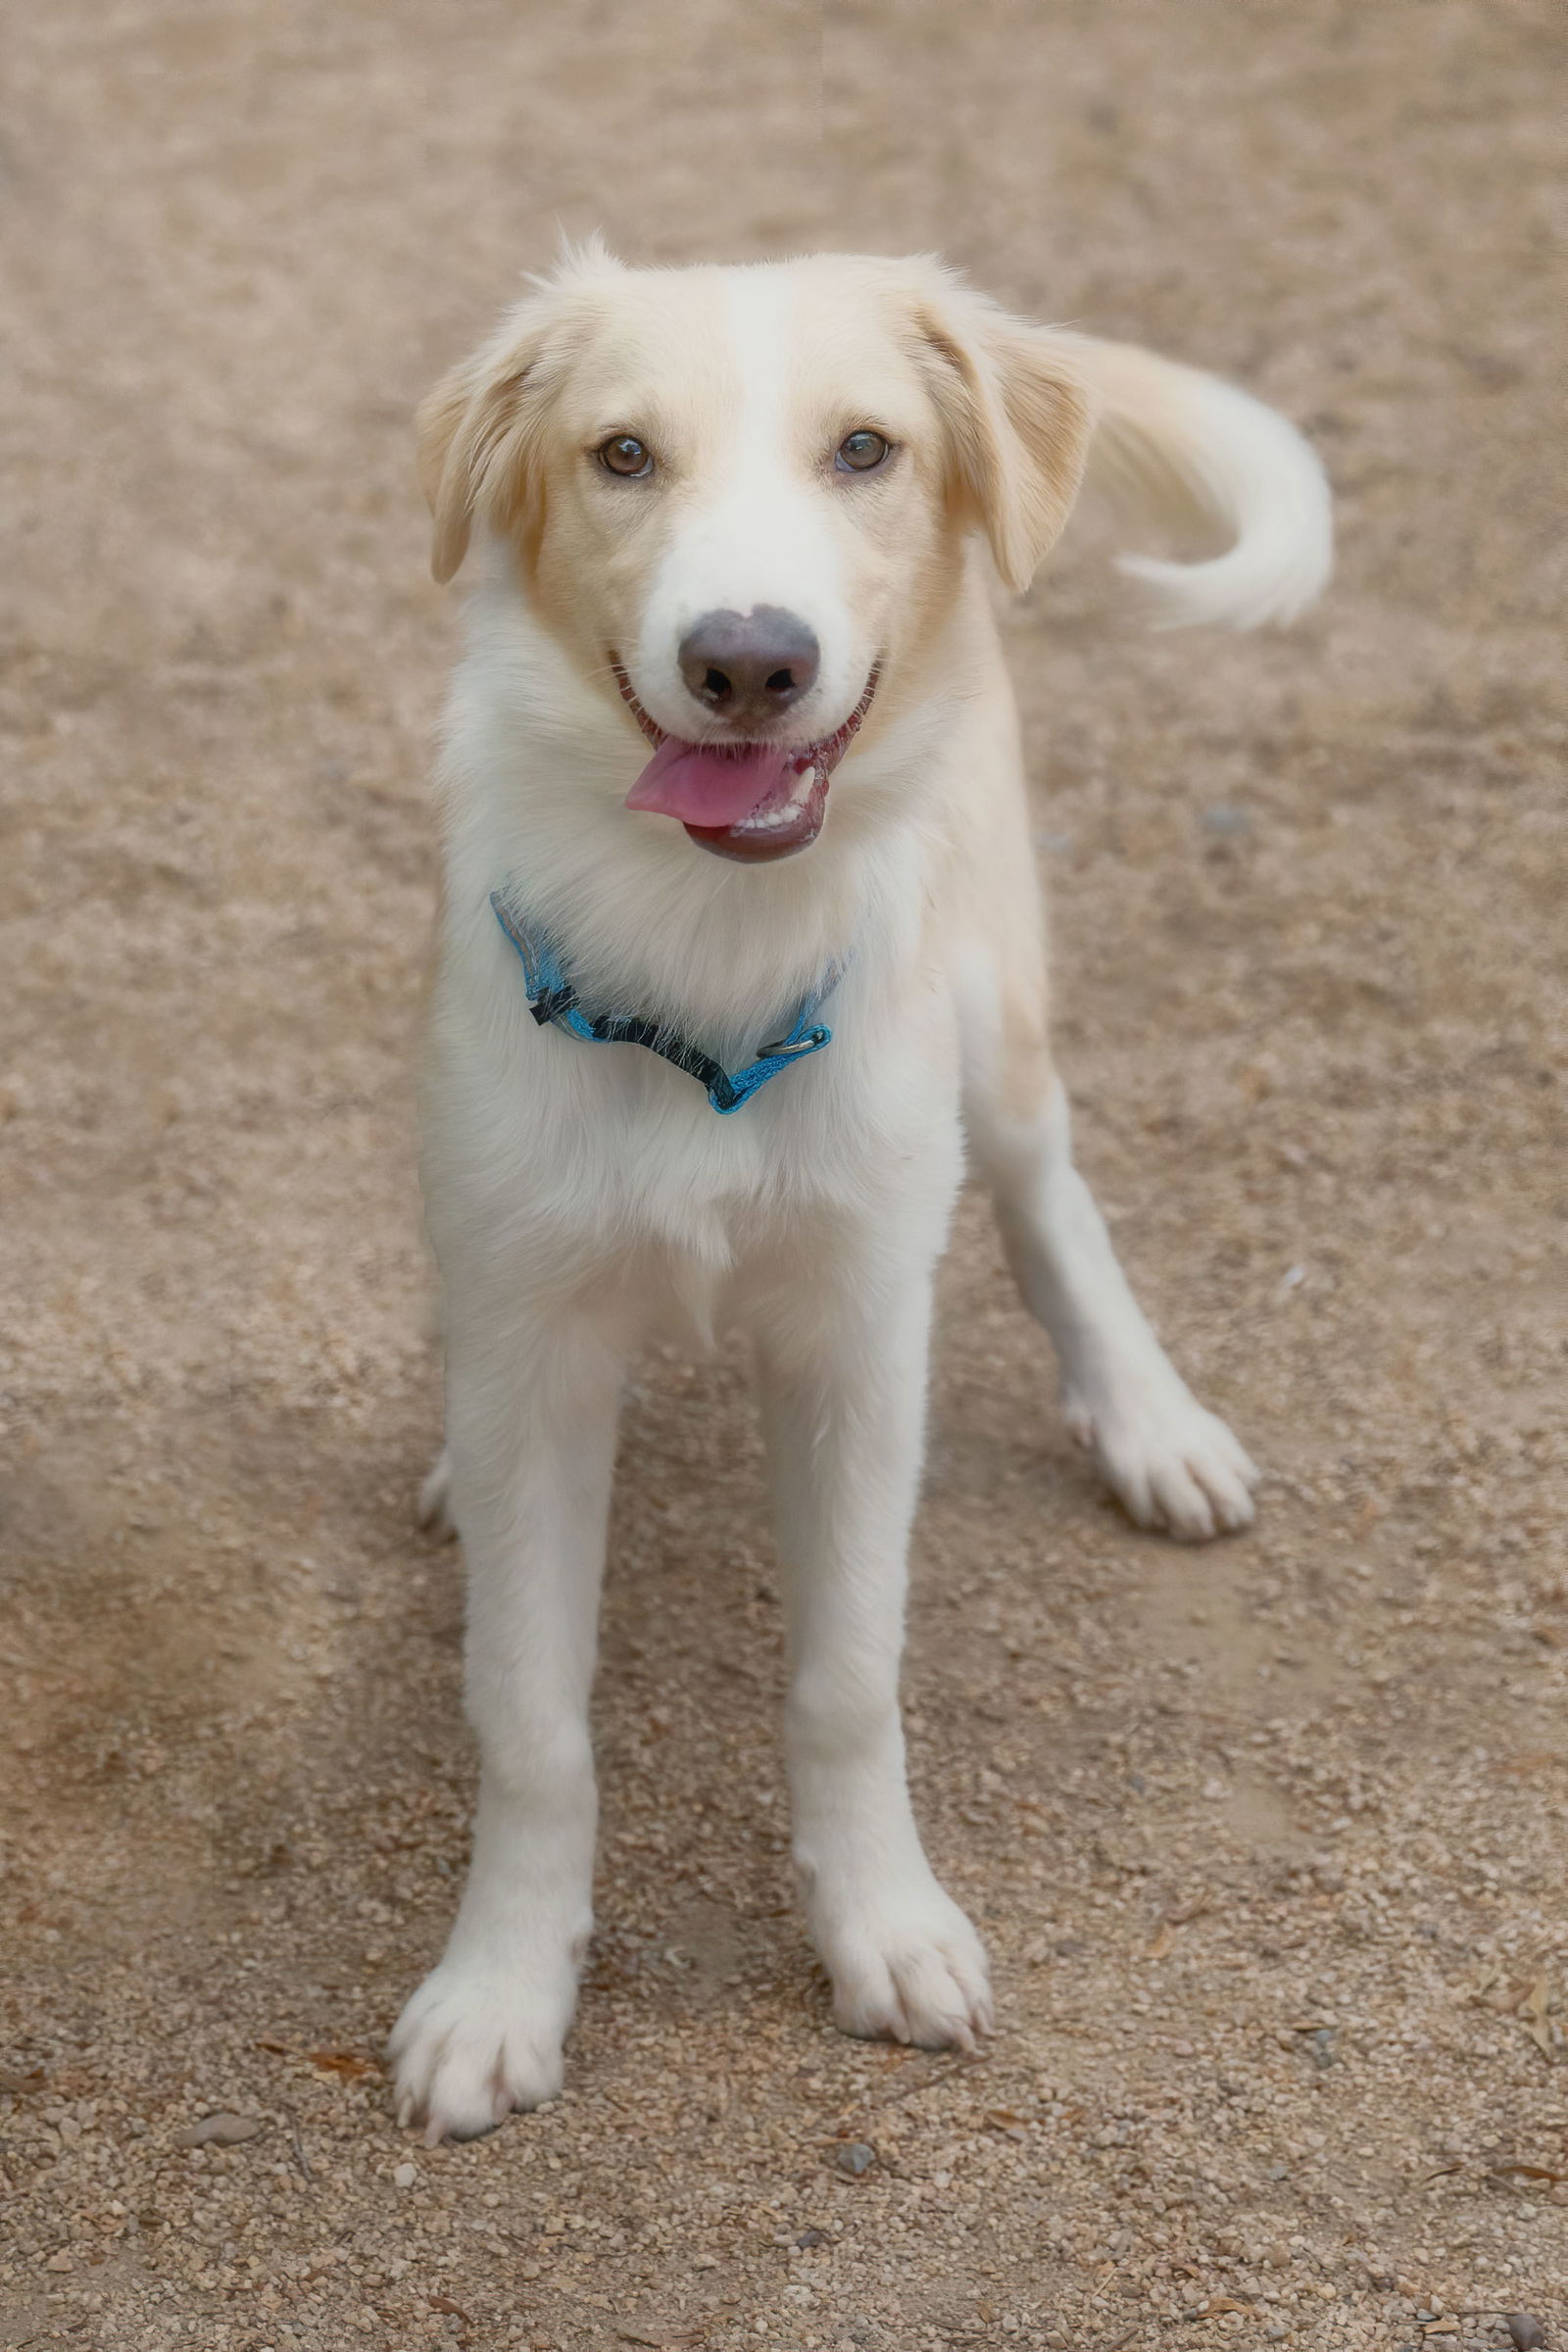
pixel 1268 1843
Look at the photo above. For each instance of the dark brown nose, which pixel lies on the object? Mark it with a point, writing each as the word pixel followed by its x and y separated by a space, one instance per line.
pixel 749 667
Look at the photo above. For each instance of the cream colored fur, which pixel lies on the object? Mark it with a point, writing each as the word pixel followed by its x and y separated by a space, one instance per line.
pixel 583 1198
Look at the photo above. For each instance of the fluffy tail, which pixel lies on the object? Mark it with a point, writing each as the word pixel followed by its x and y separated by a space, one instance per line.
pixel 1183 449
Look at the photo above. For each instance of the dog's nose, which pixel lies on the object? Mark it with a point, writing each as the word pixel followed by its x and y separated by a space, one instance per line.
pixel 747 667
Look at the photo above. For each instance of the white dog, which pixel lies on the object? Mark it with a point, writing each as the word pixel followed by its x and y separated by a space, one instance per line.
pixel 713 1021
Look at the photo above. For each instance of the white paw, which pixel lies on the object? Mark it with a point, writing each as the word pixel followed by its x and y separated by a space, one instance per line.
pixel 473 2044
pixel 434 1497
pixel 910 1968
pixel 1170 1463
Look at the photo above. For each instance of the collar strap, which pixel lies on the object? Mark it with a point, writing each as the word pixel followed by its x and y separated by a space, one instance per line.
pixel 553 1002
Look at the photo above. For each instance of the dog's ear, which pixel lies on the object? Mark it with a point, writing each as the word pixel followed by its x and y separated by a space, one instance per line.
pixel 1018 417
pixel 481 429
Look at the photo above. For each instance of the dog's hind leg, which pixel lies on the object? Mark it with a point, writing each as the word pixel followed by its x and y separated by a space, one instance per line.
pixel 435 1496
pixel 1172 1464
pixel 532 1415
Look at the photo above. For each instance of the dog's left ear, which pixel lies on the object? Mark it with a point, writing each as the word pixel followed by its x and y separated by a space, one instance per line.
pixel 480 429
pixel 1018 420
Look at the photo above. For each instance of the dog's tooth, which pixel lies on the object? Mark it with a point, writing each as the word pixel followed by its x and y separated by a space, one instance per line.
pixel 769 820
pixel 787 812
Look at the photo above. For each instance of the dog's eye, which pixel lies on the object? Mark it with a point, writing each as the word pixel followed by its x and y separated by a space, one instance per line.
pixel 862 452
pixel 626 455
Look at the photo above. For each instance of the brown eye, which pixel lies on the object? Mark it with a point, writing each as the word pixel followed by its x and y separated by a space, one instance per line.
pixel 863 453
pixel 626 455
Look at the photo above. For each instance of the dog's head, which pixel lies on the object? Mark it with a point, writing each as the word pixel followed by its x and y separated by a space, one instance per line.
pixel 740 499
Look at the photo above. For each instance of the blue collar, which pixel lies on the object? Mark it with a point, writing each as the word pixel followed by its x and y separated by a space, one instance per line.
pixel 553 1001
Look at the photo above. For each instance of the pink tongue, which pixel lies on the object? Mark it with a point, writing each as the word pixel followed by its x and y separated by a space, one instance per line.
pixel 712 789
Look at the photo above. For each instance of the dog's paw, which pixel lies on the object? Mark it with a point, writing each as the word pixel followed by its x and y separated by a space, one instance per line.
pixel 473 2044
pixel 435 1497
pixel 1170 1463
pixel 910 1970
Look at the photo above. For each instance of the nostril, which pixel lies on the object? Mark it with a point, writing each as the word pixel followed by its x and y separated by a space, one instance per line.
pixel 747 667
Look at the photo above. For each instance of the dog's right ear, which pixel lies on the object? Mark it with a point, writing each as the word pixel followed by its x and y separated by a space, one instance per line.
pixel 479 431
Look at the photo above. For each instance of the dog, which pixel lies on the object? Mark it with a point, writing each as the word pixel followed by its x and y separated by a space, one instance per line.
pixel 741 946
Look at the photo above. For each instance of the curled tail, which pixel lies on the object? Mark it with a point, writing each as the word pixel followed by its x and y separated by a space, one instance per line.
pixel 1181 448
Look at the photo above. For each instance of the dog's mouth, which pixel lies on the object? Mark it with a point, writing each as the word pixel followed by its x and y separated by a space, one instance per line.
pixel 751 801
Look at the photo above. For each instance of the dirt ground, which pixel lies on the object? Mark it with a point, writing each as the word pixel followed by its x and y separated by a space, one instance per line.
pixel 1268 1842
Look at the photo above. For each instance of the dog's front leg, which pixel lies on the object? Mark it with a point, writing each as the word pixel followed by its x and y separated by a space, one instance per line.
pixel 844 1369
pixel 531 1427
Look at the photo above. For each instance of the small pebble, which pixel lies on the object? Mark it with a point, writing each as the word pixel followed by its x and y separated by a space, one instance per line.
pixel 222 2130
pixel 405 2176
pixel 856 2157
pixel 1526 2331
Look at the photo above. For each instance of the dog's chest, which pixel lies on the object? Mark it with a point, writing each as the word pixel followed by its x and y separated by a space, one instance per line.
pixel 651 1157
pixel 604 1151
